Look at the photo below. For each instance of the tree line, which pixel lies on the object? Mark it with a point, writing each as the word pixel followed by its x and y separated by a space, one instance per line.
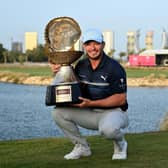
pixel 35 55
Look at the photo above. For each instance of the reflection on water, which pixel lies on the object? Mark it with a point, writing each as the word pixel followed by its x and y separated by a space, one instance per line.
pixel 23 113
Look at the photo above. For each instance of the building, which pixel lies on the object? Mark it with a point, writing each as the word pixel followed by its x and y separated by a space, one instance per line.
pixel 149 40
pixel 164 44
pixel 31 41
pixel 133 42
pixel 17 47
pixel 109 42
pixel 150 58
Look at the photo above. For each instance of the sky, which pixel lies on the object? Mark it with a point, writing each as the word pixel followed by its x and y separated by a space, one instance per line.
pixel 119 16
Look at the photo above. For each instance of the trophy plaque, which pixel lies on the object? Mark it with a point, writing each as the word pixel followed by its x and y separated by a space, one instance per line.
pixel 61 34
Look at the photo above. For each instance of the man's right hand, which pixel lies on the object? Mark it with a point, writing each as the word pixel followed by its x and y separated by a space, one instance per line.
pixel 55 67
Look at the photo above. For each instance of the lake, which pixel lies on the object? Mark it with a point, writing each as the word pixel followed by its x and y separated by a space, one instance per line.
pixel 24 115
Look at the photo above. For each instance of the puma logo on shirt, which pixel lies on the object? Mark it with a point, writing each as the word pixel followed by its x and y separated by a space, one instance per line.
pixel 103 77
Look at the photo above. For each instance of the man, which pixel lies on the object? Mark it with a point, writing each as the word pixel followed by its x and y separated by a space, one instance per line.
pixel 103 104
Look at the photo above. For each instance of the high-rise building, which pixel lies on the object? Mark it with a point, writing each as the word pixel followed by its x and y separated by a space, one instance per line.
pixel 133 42
pixel 109 42
pixel 17 47
pixel 164 44
pixel 31 40
pixel 149 40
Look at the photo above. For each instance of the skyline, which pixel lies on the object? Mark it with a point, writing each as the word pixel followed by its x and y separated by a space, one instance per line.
pixel 18 17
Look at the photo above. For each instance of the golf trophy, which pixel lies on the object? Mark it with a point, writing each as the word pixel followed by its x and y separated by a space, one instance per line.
pixel 61 34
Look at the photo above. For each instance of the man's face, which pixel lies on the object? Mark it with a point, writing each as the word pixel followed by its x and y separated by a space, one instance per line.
pixel 93 49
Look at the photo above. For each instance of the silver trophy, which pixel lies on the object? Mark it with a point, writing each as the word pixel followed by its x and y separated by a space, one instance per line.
pixel 61 34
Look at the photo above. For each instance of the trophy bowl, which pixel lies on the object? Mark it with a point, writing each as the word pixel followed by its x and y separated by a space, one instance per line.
pixel 61 34
pixel 63 57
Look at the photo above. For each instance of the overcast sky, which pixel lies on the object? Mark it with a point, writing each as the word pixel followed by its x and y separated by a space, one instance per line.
pixel 120 16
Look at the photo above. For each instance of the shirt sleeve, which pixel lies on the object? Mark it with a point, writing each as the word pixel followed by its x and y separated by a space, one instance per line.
pixel 118 81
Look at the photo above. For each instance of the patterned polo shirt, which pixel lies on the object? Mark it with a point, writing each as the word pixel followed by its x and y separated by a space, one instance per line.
pixel 107 79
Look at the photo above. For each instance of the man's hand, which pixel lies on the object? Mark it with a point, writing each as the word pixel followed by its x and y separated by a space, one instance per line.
pixel 85 103
pixel 55 67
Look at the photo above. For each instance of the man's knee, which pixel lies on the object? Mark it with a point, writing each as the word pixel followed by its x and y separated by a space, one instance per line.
pixel 57 115
pixel 111 132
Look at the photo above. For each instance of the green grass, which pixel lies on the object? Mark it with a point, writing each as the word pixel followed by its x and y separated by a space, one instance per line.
pixel 36 70
pixel 148 150
pixel 157 72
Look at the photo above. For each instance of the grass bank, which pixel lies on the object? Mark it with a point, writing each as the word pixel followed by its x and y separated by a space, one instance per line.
pixel 44 70
pixel 148 150
pixel 28 69
pixel 40 74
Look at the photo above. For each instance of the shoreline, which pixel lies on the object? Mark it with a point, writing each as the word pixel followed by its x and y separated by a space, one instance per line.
pixel 20 78
pixel 147 82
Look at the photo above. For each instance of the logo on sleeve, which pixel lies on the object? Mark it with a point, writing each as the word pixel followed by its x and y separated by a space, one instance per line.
pixel 122 83
pixel 121 80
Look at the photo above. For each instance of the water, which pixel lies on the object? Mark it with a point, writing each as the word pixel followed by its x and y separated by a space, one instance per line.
pixel 23 113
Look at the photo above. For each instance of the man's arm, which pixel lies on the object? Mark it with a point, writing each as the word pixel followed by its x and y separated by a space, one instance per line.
pixel 115 100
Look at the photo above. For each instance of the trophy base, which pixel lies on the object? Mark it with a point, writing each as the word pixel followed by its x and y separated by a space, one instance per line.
pixel 61 95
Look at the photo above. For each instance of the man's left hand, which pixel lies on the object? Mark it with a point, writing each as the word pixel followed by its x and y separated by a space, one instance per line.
pixel 85 103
